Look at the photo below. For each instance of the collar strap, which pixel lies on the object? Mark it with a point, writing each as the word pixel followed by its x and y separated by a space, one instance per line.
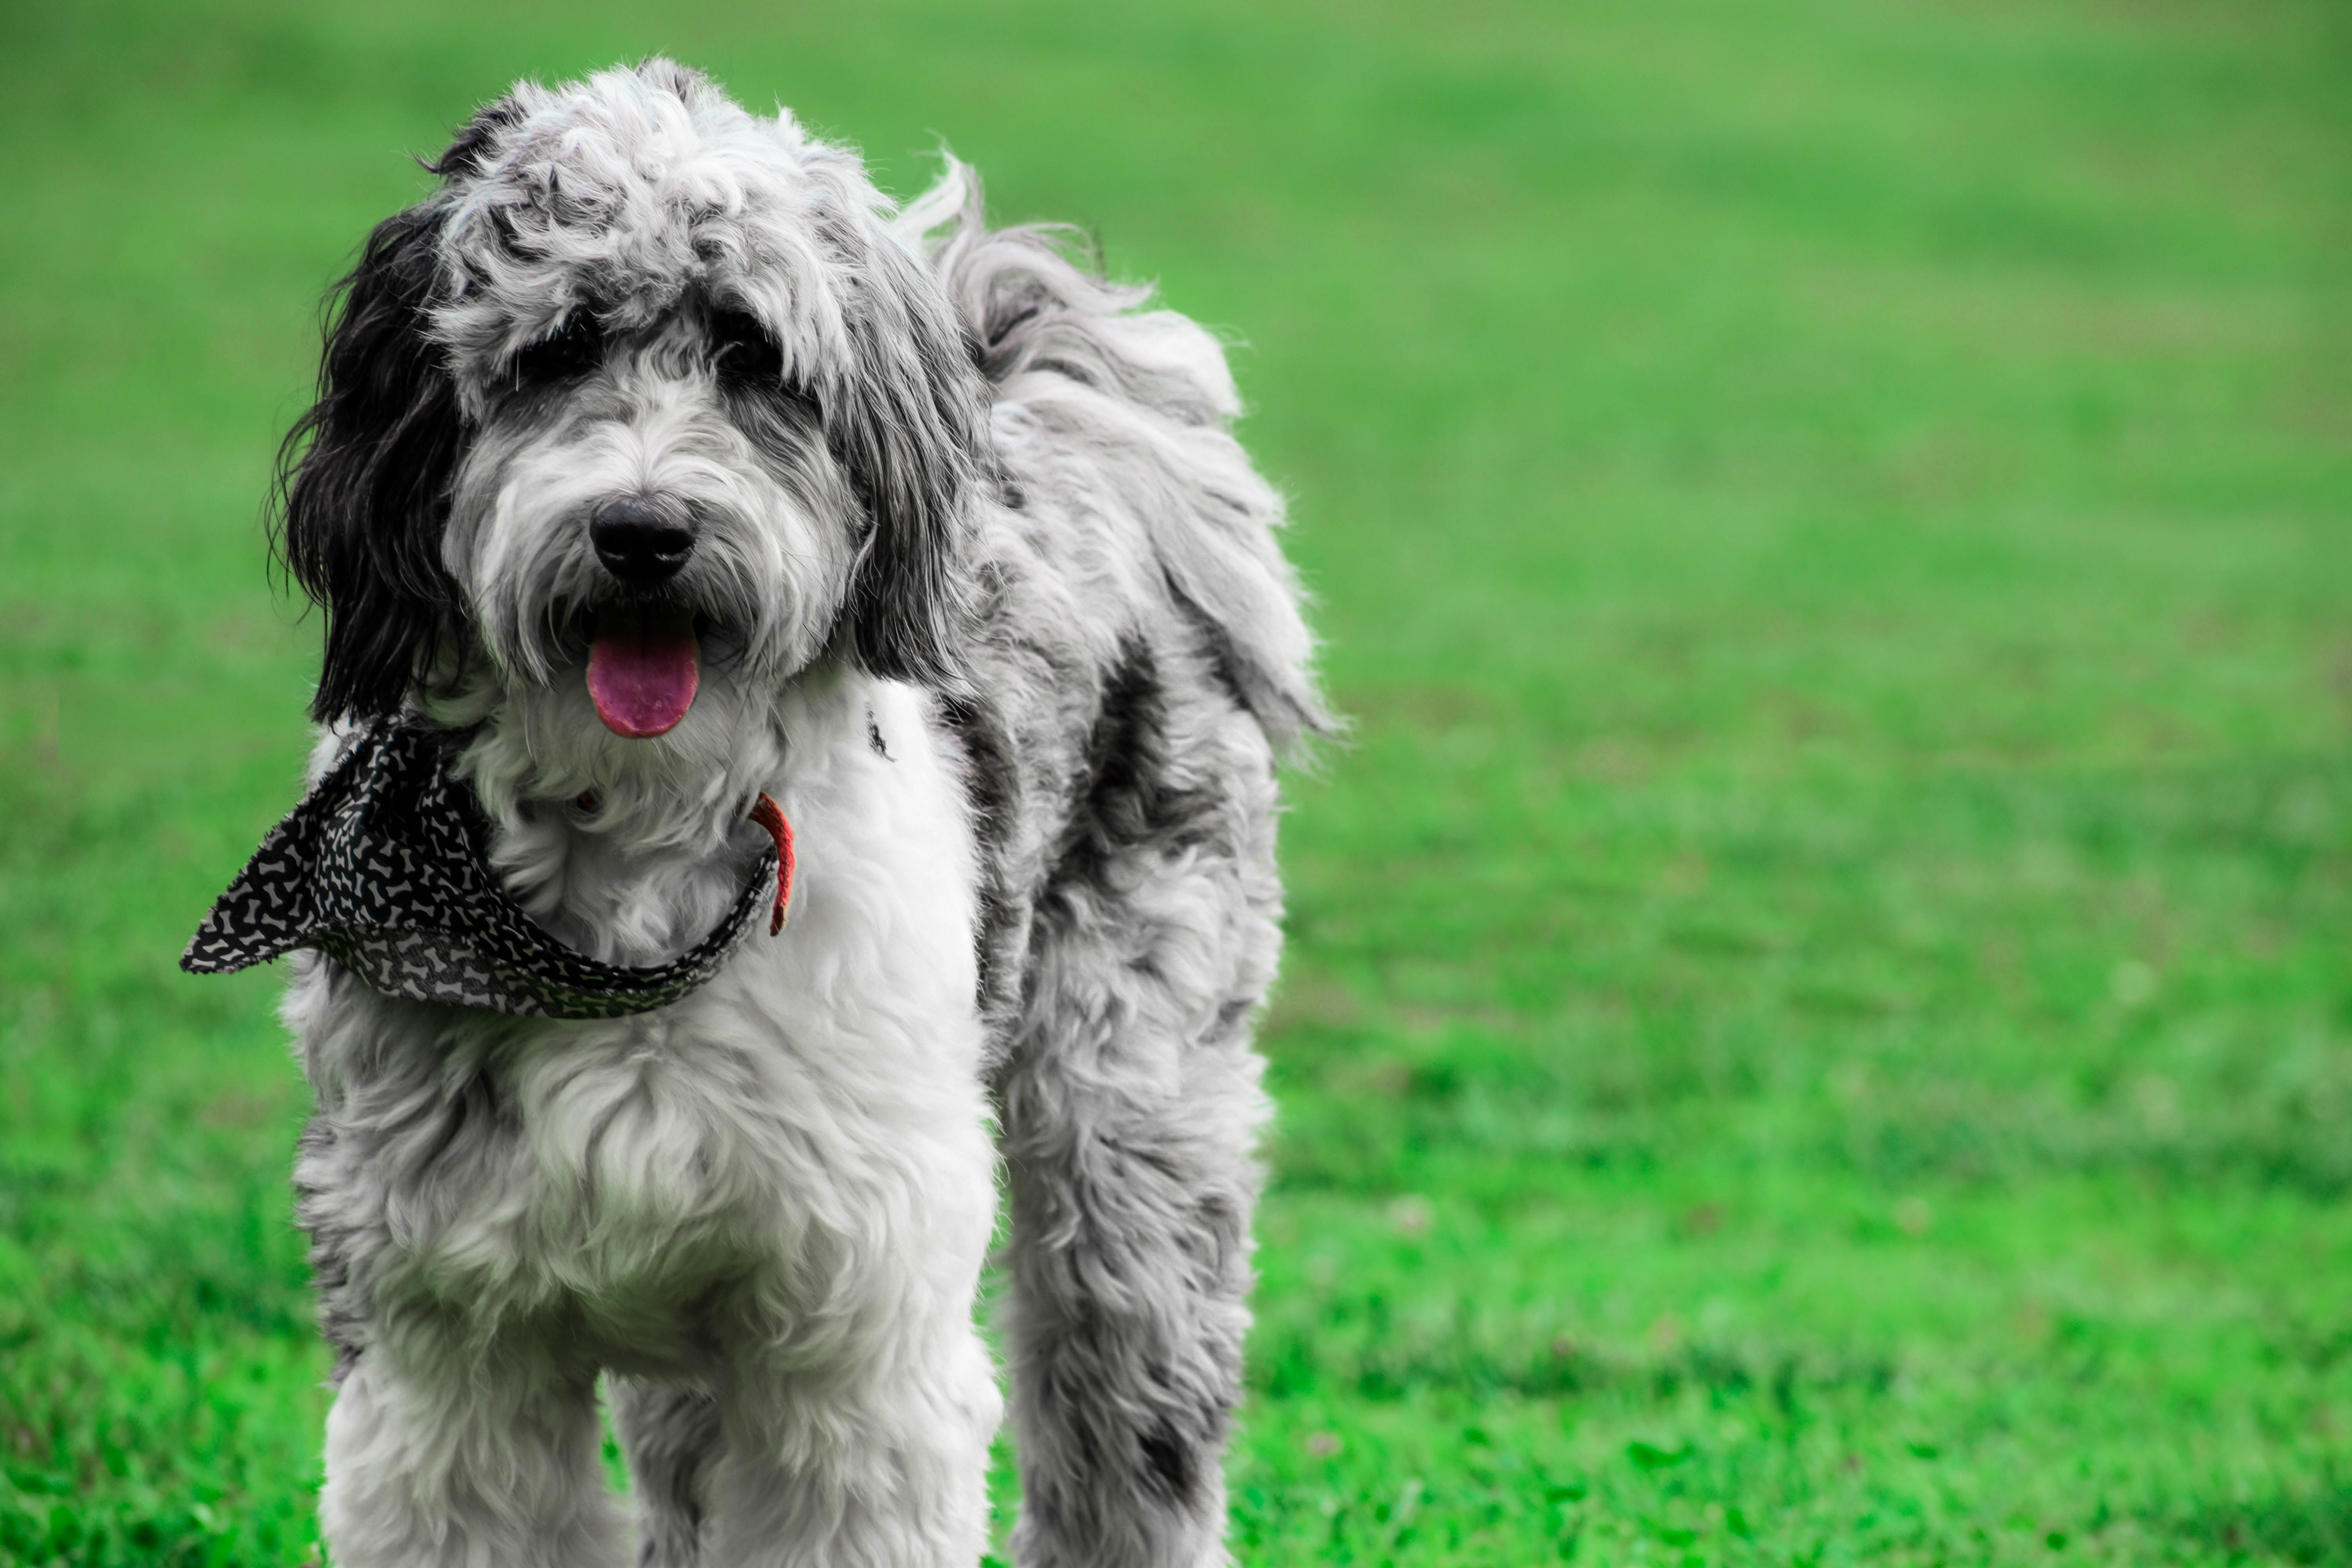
pixel 769 815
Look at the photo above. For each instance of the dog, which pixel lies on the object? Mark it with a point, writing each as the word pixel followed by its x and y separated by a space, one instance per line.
pixel 661 465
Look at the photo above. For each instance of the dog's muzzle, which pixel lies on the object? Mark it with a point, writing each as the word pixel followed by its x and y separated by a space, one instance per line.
pixel 646 664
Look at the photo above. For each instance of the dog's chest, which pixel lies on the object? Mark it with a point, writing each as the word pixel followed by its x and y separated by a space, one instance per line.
pixel 769 1126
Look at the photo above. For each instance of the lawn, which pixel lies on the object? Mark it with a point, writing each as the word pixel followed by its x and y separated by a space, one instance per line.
pixel 1818 1025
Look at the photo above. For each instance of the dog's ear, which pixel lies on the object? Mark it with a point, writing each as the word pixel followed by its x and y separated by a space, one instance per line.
pixel 907 417
pixel 365 477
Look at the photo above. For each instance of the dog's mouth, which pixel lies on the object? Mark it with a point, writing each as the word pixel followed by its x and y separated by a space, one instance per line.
pixel 644 667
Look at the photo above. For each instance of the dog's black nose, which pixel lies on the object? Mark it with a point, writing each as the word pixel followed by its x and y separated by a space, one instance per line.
pixel 639 543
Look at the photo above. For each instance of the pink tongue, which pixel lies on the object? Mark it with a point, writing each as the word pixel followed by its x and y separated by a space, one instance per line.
pixel 643 669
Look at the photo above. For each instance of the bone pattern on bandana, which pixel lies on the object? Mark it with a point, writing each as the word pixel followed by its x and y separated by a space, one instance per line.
pixel 381 868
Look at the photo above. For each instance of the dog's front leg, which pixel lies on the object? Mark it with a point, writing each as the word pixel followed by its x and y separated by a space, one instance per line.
pixel 873 1456
pixel 456 1457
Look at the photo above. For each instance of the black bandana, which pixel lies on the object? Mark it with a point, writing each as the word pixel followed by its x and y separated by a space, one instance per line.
pixel 381 868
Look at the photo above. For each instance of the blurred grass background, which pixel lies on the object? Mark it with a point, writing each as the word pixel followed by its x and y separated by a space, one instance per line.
pixel 1819 1025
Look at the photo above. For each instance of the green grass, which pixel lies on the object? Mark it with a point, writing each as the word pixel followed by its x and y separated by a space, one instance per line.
pixel 1819 1022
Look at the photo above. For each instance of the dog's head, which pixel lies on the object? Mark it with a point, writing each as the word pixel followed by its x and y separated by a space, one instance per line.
pixel 640 412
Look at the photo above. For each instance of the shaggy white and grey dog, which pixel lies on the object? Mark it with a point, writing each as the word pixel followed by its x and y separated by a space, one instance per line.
pixel 667 462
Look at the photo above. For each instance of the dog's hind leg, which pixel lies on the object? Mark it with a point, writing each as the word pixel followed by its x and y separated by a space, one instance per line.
pixel 672 1438
pixel 1130 1103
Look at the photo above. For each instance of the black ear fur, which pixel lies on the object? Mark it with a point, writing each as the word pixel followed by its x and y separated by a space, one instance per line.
pixel 908 423
pixel 468 152
pixel 365 479
pixel 364 475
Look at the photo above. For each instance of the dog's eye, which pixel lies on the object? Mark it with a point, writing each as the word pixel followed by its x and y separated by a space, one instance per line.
pixel 743 352
pixel 572 350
